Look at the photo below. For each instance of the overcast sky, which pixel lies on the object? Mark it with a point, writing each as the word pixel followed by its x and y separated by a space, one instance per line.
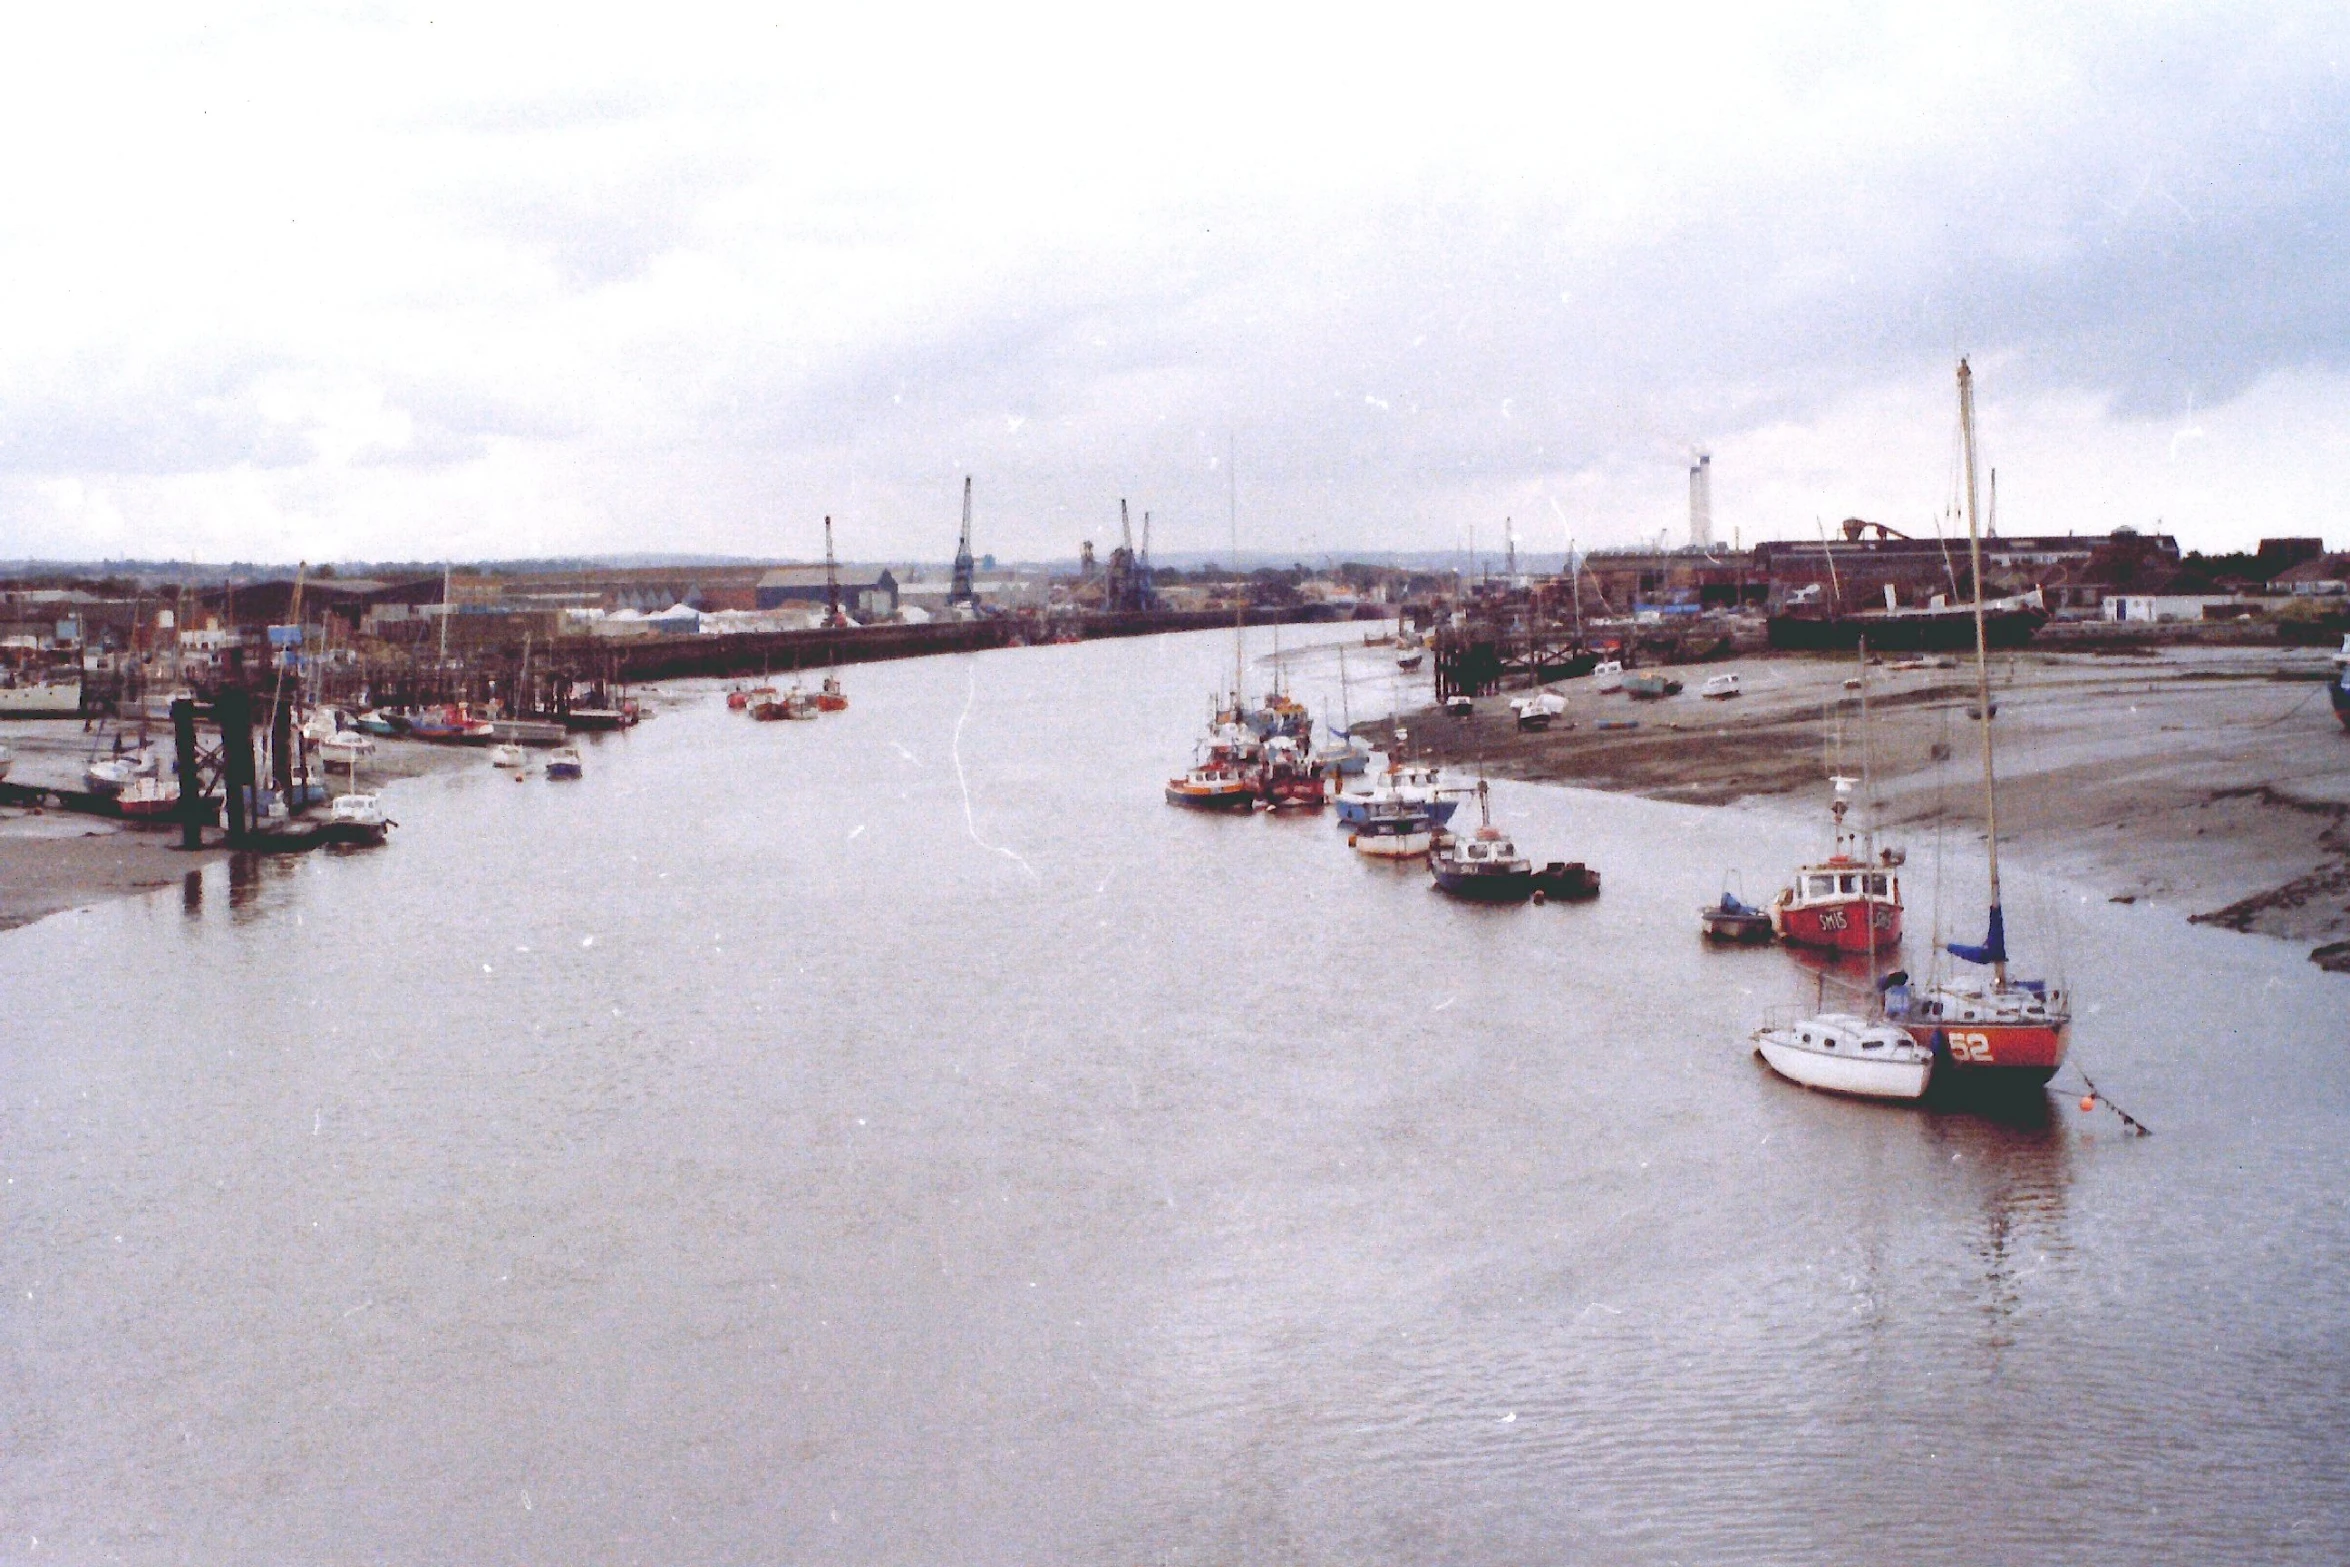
pixel 375 282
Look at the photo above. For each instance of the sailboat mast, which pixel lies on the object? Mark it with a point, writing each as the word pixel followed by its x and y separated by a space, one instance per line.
pixel 1240 589
pixel 1974 538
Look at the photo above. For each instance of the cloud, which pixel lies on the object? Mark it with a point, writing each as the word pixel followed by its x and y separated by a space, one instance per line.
pixel 349 282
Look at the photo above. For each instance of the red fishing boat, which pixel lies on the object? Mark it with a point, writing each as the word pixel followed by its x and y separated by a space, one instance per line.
pixel 1848 902
pixel 1293 780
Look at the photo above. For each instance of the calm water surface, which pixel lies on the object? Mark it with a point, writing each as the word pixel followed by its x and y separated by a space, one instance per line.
pixel 902 1138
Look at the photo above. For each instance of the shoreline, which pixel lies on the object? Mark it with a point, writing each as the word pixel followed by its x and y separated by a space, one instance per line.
pixel 2213 780
pixel 54 862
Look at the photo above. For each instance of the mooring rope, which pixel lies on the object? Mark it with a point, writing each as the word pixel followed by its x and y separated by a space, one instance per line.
pixel 2094 1098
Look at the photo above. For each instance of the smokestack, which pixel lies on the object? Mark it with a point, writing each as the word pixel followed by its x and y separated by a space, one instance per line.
pixel 1701 503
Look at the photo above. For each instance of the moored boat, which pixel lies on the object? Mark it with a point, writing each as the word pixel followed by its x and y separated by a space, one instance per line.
pixel 1843 1054
pixel 565 763
pixel 357 818
pixel 41 697
pixel 1291 779
pixel 1731 920
pixel 829 696
pixel 1571 880
pixel 1721 687
pixel 1650 688
pixel 1990 1029
pixel 1483 865
pixel 1408 783
pixel 1607 675
pixel 347 746
pixel 149 798
pixel 508 755
pixel 1214 786
pixel 1394 830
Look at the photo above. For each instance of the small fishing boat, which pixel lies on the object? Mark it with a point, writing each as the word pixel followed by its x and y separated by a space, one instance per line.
pixel 1843 1054
pixel 358 817
pixel 1732 921
pixel 829 696
pixel 1535 712
pixel 528 731
pixel 599 719
pixel 450 725
pixel 375 721
pixel 1394 830
pixel 1407 783
pixel 1411 658
pixel 1607 675
pixel 737 699
pixel 508 755
pixel 147 799
pixel 1484 865
pixel 1214 786
pixel 1292 780
pixel 1720 688
pixel 565 763
pixel 1841 904
pixel 1571 880
pixel 113 774
pixel 347 746
pixel 794 705
pixel 1650 688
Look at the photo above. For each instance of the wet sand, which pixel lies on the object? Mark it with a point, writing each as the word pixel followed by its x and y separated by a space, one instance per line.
pixel 2211 779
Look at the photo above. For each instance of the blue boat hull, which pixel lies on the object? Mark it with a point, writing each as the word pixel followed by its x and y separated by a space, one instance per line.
pixel 1354 813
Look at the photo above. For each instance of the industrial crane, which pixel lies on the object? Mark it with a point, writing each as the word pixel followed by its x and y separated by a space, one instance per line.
pixel 964 591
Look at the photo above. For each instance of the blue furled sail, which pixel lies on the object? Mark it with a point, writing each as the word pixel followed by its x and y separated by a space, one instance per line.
pixel 1994 947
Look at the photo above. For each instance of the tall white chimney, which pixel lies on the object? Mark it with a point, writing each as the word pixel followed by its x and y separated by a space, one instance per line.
pixel 1701 503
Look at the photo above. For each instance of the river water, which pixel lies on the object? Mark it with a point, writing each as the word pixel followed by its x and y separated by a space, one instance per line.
pixel 903 1138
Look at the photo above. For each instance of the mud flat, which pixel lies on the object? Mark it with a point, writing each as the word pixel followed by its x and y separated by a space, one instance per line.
pixel 2211 779
pixel 51 861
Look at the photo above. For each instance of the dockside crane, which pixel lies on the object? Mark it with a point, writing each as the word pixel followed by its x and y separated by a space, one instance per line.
pixel 964 591
pixel 832 615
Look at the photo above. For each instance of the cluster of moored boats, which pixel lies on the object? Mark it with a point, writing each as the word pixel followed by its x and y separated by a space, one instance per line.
pixel 1975 1022
pixel 1265 759
pixel 768 705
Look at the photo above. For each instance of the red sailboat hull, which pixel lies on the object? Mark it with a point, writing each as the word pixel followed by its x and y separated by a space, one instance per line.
pixel 2024 1053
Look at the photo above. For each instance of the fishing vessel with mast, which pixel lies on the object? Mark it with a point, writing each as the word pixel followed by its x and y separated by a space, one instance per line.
pixel 1849 902
pixel 1985 1024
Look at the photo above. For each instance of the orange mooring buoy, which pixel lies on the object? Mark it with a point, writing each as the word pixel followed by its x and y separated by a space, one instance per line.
pixel 2088 1103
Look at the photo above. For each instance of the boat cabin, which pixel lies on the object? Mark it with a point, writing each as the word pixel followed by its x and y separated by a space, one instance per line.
pixel 1835 882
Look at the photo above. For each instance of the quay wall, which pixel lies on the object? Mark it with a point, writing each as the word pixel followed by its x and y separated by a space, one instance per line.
pixel 671 658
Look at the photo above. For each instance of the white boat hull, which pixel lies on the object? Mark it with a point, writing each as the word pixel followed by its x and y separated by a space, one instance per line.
pixel 1845 1074
pixel 1393 846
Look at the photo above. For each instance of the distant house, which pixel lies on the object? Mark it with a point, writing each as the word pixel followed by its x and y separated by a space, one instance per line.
pixel 2326 575
pixel 2175 606
pixel 865 595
